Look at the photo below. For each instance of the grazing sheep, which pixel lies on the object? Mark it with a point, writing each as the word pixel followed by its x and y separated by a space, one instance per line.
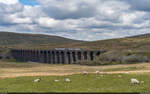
pixel 126 72
pixel 37 80
pixel 142 82
pixel 85 72
pixel 119 76
pixel 97 72
pixel 67 80
pixel 56 80
pixel 134 81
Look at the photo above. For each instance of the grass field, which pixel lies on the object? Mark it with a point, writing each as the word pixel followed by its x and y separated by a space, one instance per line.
pixel 19 77
pixel 79 83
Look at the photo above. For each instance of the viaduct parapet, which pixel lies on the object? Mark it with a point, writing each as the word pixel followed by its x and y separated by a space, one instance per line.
pixel 54 56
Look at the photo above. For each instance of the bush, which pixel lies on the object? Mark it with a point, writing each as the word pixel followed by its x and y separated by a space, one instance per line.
pixel 118 57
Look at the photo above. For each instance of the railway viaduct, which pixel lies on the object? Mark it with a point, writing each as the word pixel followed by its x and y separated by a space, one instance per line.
pixel 54 56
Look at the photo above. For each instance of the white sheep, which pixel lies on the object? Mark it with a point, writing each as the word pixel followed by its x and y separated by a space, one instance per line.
pixel 134 81
pixel 119 76
pixel 85 72
pixel 37 80
pixel 126 72
pixel 56 80
pixel 142 82
pixel 67 80
pixel 97 72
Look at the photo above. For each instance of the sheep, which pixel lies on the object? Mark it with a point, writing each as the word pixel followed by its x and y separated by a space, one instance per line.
pixel 97 72
pixel 56 80
pixel 119 76
pixel 126 72
pixel 37 80
pixel 142 82
pixel 134 81
pixel 67 80
pixel 85 72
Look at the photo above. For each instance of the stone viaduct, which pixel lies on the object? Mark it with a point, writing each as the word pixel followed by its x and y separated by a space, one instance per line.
pixel 54 56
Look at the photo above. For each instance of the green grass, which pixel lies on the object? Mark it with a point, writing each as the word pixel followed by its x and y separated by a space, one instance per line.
pixel 79 83
pixel 125 69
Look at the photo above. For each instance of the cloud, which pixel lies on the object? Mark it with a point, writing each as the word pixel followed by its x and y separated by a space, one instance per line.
pixel 69 9
pixel 142 5
pixel 9 1
pixel 77 19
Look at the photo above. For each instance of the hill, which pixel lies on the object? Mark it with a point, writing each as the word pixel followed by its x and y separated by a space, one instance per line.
pixel 38 41
pixel 19 40
pixel 140 42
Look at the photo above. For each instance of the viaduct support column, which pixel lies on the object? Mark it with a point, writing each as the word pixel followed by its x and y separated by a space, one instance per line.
pixel 71 57
pixel 82 55
pixel 55 59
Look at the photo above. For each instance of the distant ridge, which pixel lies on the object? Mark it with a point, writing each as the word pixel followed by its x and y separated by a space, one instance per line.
pixel 138 42
pixel 23 40
pixel 38 41
pixel 142 35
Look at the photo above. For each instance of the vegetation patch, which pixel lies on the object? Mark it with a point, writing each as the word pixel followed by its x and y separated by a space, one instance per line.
pixel 119 57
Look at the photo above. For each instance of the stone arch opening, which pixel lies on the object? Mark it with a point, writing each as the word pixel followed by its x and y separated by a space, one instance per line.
pixel 74 56
pixel 79 55
pixel 37 56
pixel 41 56
pixel 45 57
pixel 91 56
pixel 69 58
pixel 85 55
pixel 33 55
pixel 48 57
pixel 97 53
pixel 53 57
pixel 58 57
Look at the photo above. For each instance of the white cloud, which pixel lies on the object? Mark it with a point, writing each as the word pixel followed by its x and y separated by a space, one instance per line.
pixel 9 1
pixel 77 19
pixel 47 22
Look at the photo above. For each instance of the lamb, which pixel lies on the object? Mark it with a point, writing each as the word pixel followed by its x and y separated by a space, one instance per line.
pixel 37 80
pixel 67 80
pixel 134 81
pixel 85 72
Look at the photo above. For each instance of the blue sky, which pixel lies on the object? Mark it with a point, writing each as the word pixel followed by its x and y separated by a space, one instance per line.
pixel 29 2
pixel 76 19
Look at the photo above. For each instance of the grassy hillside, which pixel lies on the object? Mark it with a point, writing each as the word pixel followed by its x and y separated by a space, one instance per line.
pixel 36 41
pixel 141 42
pixel 18 40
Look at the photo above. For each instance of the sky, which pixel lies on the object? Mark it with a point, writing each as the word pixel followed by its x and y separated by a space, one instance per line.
pixel 88 20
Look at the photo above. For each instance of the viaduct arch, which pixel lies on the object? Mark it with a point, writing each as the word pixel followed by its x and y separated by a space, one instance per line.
pixel 55 56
